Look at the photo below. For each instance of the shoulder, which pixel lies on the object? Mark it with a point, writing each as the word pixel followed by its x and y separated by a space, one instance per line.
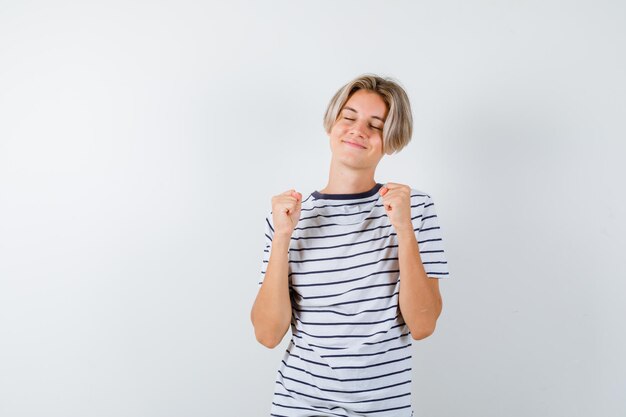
pixel 421 201
pixel 418 192
pixel 269 224
pixel 419 197
pixel 308 200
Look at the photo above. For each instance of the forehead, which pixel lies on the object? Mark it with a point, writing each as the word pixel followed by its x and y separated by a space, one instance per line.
pixel 367 102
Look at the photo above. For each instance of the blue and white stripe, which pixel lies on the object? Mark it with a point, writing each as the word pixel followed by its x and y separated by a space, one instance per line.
pixel 350 350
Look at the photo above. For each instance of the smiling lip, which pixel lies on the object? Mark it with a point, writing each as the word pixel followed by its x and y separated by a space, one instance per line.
pixel 354 144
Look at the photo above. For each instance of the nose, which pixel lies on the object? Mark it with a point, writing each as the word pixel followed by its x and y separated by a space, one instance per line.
pixel 358 129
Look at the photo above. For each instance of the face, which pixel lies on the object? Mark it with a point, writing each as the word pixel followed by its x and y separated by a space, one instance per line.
pixel 356 138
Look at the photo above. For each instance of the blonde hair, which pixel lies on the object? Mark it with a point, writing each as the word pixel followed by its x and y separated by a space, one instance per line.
pixel 398 126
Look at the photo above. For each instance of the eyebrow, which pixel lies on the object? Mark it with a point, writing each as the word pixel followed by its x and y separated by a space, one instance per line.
pixel 373 117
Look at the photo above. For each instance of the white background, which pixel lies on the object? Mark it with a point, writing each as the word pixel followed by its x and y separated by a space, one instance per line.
pixel 141 142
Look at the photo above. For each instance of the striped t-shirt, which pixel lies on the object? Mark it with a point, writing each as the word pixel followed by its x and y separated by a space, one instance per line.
pixel 350 350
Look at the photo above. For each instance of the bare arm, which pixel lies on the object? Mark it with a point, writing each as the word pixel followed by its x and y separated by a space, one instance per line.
pixel 271 312
pixel 420 301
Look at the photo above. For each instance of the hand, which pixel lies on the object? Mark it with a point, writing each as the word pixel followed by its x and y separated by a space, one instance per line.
pixel 286 209
pixel 397 202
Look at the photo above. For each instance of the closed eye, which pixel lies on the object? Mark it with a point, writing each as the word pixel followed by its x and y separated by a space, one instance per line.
pixel 377 128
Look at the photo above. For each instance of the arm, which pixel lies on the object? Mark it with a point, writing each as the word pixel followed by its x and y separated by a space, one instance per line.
pixel 420 301
pixel 271 312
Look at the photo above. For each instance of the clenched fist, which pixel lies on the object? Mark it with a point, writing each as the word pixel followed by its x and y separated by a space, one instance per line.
pixel 286 211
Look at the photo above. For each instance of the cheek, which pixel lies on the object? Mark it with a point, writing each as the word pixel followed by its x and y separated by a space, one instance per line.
pixel 337 133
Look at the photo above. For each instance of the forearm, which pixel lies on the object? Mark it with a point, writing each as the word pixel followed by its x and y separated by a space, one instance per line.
pixel 271 312
pixel 419 305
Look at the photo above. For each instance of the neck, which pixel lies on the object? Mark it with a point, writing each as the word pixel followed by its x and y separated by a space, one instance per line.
pixel 346 180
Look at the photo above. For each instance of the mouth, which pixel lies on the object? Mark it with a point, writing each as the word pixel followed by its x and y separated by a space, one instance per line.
pixel 354 145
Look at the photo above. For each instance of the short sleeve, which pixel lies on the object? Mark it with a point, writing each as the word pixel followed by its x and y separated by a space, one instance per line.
pixel 430 241
pixel 269 236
